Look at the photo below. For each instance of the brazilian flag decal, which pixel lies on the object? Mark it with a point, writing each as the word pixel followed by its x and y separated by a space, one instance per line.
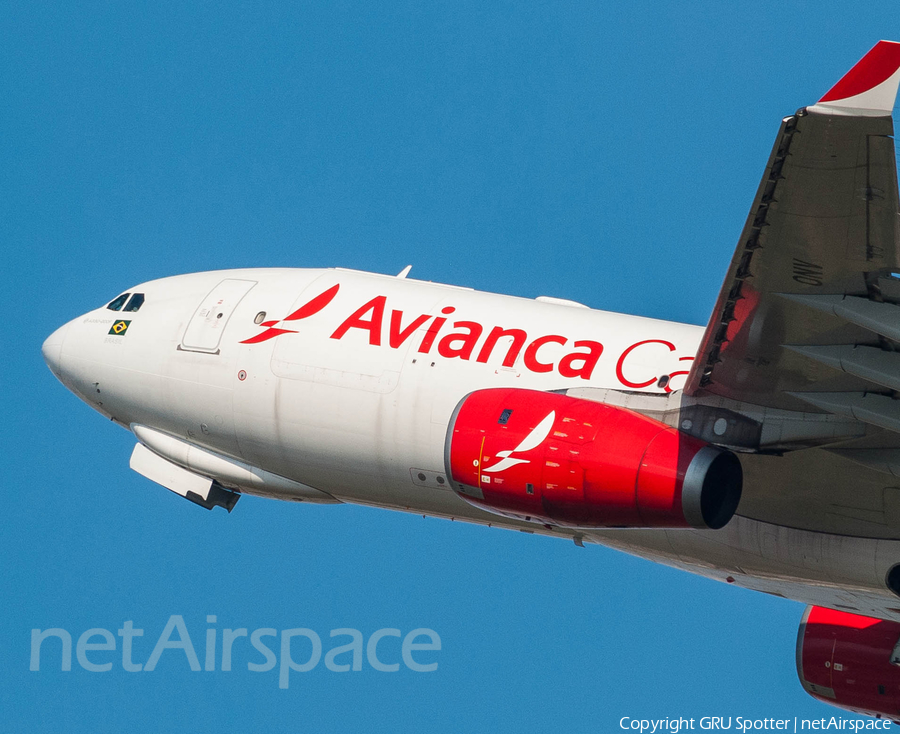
pixel 119 328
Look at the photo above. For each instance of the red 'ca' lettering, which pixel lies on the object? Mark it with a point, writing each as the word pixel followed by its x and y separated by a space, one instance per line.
pixel 531 361
pixel 620 365
pixel 589 361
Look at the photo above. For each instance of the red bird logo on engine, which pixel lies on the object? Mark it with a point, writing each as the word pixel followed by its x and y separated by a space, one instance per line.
pixel 531 441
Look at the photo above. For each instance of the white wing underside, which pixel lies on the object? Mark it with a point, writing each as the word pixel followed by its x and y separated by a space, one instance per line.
pixel 808 318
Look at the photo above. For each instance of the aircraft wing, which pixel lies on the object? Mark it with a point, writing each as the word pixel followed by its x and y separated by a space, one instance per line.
pixel 809 314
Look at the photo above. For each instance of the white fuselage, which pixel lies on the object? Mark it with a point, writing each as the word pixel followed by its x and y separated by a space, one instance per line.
pixel 346 382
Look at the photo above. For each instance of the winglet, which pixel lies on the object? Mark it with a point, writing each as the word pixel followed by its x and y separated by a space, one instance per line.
pixel 871 85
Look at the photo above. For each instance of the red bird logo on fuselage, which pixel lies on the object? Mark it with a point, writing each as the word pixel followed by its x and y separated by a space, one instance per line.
pixel 310 308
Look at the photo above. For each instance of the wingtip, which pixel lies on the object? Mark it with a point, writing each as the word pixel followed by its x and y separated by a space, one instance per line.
pixel 871 84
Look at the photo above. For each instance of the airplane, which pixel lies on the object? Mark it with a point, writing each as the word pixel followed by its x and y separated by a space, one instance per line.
pixel 762 450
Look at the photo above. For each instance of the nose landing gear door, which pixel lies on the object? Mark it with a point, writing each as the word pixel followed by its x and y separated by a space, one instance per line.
pixel 204 330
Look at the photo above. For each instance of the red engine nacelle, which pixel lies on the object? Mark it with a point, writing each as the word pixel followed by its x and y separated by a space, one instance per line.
pixel 549 458
pixel 845 660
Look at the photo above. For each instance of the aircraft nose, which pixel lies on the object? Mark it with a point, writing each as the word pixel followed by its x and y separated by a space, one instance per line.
pixel 52 350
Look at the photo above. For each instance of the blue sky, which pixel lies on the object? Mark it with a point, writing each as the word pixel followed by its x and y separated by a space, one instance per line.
pixel 604 153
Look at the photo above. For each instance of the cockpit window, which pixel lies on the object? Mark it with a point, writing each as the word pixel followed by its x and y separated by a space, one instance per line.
pixel 137 300
pixel 117 304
